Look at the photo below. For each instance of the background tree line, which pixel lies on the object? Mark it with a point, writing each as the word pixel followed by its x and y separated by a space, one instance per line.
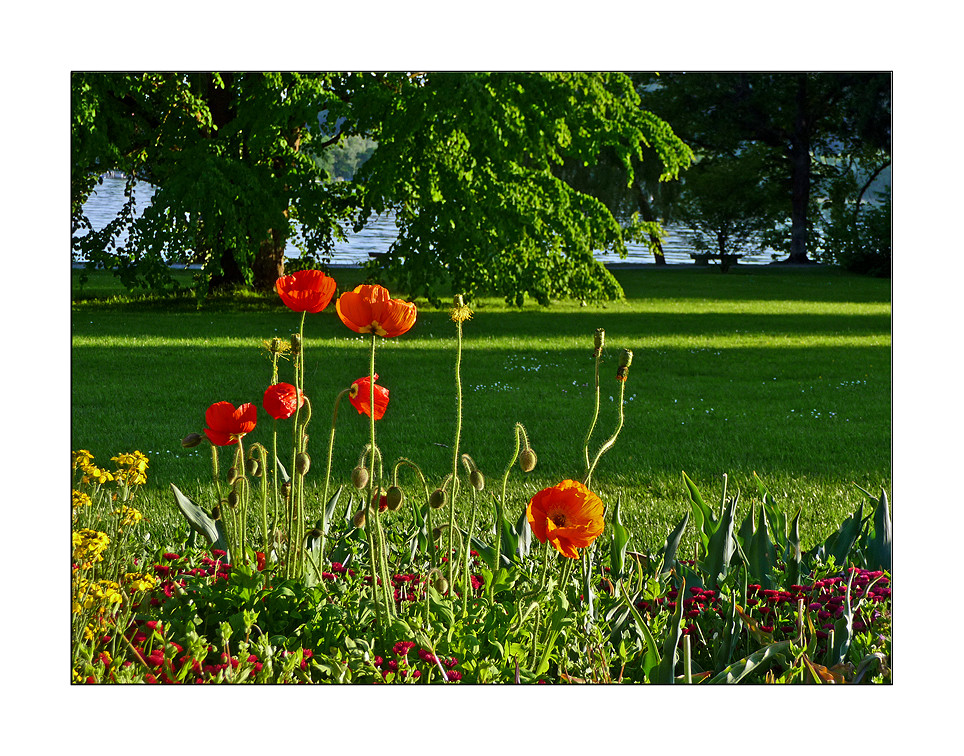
pixel 500 182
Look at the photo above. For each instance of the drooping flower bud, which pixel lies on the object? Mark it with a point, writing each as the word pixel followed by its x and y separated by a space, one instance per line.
pixel 440 584
pixel 477 480
pixel 191 440
pixel 359 477
pixel 528 459
pixel 302 463
pixel 437 499
pixel 358 519
pixel 394 498
pixel 233 499
pixel 625 360
pixel 253 467
pixel 232 475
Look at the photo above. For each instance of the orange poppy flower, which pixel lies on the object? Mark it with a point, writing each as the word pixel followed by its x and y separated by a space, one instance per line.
pixel 568 515
pixel 370 309
pixel 227 424
pixel 281 400
pixel 359 397
pixel 306 290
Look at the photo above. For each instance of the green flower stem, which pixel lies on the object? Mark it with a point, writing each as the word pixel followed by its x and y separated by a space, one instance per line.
pixel 595 415
pixel 376 535
pixel 455 455
pixel 612 439
pixel 467 551
pixel 500 502
pixel 331 447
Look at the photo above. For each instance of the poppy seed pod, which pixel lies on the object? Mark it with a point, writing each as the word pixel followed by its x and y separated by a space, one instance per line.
pixel 477 480
pixel 599 341
pixel 358 519
pixel 296 343
pixel 359 477
pixel 437 499
pixel 394 498
pixel 191 440
pixel 625 360
pixel 527 459
pixel 302 463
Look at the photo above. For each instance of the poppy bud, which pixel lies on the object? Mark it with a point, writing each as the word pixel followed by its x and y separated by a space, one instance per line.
pixel 253 467
pixel 440 584
pixel 359 477
pixel 216 513
pixel 302 463
pixel 436 533
pixel 232 475
pixel 394 498
pixel 233 499
pixel 437 499
pixel 315 533
pixel 477 480
pixel 527 460
pixel 358 520
pixel 191 440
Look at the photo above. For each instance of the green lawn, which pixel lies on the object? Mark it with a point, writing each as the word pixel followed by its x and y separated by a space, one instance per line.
pixel 782 372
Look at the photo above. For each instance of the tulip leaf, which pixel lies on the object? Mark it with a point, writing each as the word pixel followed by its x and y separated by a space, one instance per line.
pixel 703 516
pixel 672 545
pixel 651 658
pixel 843 630
pixel 199 520
pixel 285 478
pixel 721 546
pixel 666 673
pixel 325 522
pixel 761 552
pixel 619 540
pixel 839 544
pixel 793 555
pixel 740 669
pixel 879 549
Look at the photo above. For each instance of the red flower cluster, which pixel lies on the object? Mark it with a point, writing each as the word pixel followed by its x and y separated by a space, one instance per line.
pixel 775 610
pixel 402 667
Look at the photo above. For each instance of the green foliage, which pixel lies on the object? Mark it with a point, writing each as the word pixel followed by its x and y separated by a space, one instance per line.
pixel 241 164
pixel 468 160
pixel 858 236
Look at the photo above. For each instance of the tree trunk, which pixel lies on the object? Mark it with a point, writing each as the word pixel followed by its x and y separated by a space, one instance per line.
pixel 800 176
pixel 269 263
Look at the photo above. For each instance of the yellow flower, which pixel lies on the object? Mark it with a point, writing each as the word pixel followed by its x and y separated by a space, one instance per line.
pixel 136 582
pixel 79 499
pixel 132 468
pixel 89 546
pixel 129 516
pixel 93 474
pixel 81 458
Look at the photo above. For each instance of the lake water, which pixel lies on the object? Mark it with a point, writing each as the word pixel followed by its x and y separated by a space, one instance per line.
pixel 380 232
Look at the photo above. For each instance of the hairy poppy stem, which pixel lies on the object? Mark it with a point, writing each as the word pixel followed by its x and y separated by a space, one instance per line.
pixel 455 451
pixel 595 415
pixel 376 547
pixel 612 439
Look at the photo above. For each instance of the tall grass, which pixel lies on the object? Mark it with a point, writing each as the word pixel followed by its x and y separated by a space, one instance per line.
pixel 785 373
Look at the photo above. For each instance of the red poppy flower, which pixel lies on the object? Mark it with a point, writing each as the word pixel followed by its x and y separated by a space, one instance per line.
pixel 360 397
pixel 281 400
pixel 568 515
pixel 370 309
pixel 227 424
pixel 306 290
